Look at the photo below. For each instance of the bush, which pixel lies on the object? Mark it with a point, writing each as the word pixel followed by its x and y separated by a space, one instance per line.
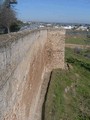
pixel 14 27
pixel 77 50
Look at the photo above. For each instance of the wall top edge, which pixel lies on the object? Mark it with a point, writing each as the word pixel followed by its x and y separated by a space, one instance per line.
pixel 4 39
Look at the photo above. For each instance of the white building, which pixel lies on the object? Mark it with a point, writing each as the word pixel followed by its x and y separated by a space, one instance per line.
pixel 68 27
pixel 82 28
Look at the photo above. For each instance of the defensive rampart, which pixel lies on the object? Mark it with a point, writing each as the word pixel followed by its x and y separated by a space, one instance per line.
pixel 25 57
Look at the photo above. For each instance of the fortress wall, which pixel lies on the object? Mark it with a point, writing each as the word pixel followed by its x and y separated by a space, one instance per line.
pixel 25 57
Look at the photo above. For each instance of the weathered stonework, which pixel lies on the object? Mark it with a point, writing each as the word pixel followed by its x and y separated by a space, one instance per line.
pixel 25 58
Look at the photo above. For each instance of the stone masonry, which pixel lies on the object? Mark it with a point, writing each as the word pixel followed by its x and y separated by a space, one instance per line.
pixel 25 57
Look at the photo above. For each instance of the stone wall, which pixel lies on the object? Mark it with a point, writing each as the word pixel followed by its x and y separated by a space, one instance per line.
pixel 25 57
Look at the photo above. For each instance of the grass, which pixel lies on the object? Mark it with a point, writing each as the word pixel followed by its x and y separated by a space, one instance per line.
pixel 68 95
pixel 70 53
pixel 72 40
pixel 81 38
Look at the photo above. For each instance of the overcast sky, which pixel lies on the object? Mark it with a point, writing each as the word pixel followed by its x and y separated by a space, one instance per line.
pixel 75 11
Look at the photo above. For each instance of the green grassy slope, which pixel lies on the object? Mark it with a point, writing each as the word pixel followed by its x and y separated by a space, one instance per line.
pixel 68 96
pixel 78 37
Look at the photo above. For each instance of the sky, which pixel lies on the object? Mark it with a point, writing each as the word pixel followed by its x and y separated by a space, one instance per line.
pixel 68 11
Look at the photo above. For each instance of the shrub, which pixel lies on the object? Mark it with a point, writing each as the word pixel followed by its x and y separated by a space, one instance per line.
pixel 77 50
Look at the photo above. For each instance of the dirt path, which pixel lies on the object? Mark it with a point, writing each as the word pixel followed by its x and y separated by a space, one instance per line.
pixel 77 46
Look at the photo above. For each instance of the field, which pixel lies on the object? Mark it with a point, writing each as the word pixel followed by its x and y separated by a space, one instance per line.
pixel 68 95
pixel 78 37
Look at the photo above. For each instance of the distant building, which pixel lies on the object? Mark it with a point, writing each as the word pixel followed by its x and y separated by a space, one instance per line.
pixel 49 25
pixel 67 27
pixel 82 28
pixel 56 27
pixel 41 26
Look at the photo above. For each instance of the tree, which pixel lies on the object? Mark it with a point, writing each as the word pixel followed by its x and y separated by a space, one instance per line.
pixel 7 16
pixel 16 26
